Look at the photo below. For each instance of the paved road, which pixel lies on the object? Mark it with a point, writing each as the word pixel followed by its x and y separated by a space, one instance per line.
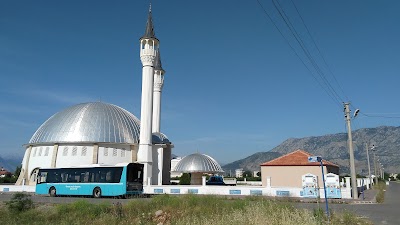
pixel 386 213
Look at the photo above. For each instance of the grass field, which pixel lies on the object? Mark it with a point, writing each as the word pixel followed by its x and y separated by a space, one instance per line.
pixel 167 209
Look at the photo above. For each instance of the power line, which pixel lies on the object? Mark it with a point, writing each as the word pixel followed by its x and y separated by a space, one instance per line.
pixel 322 56
pixel 298 56
pixel 380 116
pixel 299 40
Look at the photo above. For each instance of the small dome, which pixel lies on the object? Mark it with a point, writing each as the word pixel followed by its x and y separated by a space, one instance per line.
pixel 199 163
pixel 160 138
pixel 89 122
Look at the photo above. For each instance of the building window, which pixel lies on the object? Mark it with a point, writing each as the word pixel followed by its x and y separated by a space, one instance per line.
pixel 84 151
pixel 123 152
pixel 46 152
pixel 34 152
pixel 74 151
pixel 65 151
pixel 40 151
pixel 115 152
pixel 105 151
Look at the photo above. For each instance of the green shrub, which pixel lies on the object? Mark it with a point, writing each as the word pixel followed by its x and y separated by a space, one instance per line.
pixel 20 202
pixel 184 179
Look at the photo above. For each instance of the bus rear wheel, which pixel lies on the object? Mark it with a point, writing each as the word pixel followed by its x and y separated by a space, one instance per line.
pixel 52 192
pixel 96 192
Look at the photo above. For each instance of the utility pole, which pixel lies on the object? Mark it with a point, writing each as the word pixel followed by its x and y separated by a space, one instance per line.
pixel 369 167
pixel 375 171
pixel 351 152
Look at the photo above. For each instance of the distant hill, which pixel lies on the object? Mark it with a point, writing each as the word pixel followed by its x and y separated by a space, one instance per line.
pixel 251 163
pixel 333 147
pixel 10 164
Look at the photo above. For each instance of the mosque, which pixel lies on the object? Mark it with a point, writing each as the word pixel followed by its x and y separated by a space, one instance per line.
pixel 102 133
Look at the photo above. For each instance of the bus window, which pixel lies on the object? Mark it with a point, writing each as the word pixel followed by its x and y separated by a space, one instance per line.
pixel 42 177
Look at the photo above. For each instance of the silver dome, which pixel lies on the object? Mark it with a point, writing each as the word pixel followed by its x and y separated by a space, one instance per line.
pixel 199 163
pixel 89 122
pixel 160 138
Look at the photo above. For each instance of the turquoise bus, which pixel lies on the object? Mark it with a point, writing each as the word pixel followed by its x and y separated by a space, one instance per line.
pixel 97 181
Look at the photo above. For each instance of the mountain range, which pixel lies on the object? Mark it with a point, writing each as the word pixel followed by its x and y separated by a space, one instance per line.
pixel 333 147
pixel 10 164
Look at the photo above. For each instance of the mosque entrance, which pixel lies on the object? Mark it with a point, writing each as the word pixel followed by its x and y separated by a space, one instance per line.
pixel 33 177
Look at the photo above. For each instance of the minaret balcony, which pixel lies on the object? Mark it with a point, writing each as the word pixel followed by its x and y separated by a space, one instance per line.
pixel 148 51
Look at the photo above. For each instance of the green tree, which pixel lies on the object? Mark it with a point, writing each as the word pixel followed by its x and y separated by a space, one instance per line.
pixel 17 171
pixel 184 179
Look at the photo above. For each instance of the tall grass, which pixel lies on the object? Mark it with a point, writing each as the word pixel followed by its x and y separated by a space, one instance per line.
pixel 179 210
pixel 381 188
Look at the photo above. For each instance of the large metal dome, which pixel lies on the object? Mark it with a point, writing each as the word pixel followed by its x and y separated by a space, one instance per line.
pixel 198 163
pixel 89 122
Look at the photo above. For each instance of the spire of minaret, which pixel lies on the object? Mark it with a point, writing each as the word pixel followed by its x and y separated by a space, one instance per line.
pixel 149 32
pixel 157 62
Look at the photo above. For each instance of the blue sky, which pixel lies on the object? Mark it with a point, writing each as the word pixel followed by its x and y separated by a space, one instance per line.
pixel 233 86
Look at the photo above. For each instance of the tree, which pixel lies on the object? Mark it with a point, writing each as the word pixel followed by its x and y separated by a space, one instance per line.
pixel 184 179
pixel 17 171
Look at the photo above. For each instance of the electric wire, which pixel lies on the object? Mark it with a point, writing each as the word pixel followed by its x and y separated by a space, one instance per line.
pixel 319 51
pixel 301 43
pixel 298 56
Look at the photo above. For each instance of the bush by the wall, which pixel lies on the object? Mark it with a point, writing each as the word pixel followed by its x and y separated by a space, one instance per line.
pixel 20 202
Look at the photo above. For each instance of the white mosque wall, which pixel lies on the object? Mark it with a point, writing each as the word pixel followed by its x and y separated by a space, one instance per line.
pixel 73 155
pixel 40 157
pixel 113 154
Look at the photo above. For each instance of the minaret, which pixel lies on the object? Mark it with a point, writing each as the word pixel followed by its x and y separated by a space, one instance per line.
pixel 157 89
pixel 148 53
pixel 158 151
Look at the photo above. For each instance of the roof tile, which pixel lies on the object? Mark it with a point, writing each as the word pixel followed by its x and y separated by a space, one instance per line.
pixel 296 158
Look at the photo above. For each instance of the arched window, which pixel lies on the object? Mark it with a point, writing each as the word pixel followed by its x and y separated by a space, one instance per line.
pixel 65 151
pixel 74 151
pixel 84 151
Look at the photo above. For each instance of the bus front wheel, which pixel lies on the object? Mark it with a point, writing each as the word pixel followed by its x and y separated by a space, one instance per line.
pixel 97 192
pixel 52 192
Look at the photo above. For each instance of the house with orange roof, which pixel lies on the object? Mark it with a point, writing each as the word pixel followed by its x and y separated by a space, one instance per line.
pixel 287 170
